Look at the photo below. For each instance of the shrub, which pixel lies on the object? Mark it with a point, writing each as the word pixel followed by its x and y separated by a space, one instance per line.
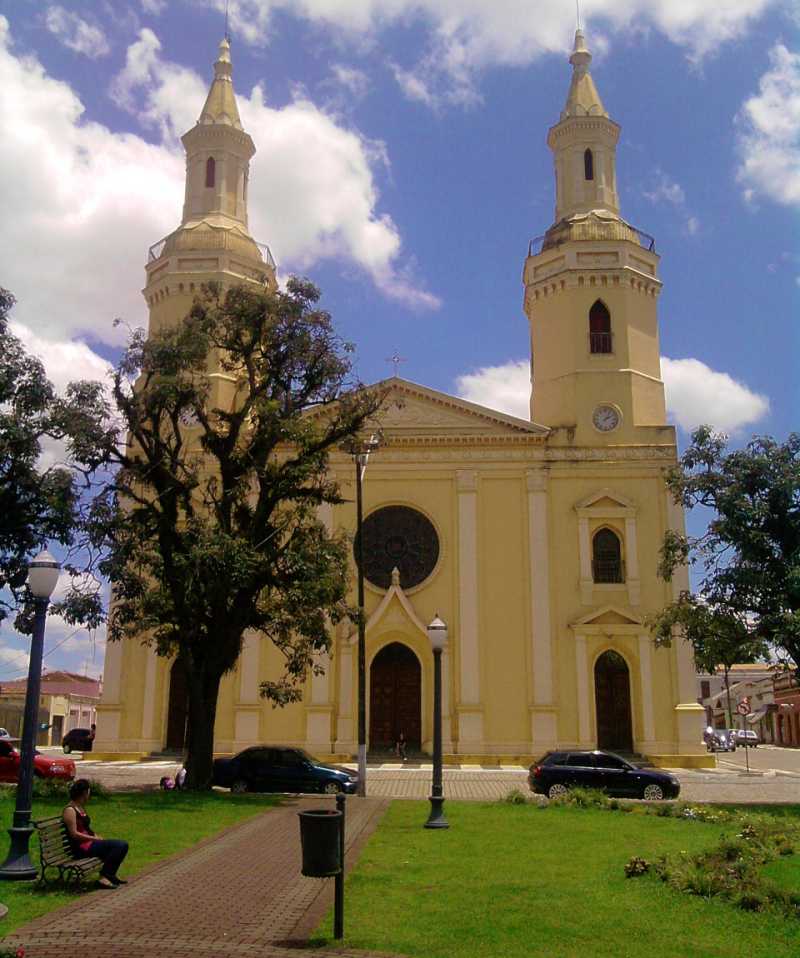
pixel 515 797
pixel 637 866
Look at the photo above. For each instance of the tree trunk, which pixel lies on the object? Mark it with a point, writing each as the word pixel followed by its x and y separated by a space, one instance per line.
pixel 728 693
pixel 203 695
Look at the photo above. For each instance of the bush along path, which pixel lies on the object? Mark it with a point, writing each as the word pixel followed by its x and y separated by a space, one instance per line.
pixel 733 870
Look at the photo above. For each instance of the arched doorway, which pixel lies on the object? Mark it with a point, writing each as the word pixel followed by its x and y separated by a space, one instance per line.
pixel 178 708
pixel 395 698
pixel 612 694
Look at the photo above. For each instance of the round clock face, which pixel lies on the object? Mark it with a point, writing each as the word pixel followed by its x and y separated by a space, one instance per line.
pixel 398 537
pixel 605 418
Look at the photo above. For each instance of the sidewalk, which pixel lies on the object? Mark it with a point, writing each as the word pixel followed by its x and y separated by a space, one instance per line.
pixel 240 894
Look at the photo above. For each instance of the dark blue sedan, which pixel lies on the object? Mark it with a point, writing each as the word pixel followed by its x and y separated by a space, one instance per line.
pixel 270 768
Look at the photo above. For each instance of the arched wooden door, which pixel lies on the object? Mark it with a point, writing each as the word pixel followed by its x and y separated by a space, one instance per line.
pixel 178 708
pixel 395 698
pixel 612 694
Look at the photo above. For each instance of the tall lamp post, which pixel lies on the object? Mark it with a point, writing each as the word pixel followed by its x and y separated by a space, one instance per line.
pixel 360 449
pixel 437 635
pixel 42 577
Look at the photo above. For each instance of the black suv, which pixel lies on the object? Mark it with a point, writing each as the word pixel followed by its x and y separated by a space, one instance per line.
pixel 555 772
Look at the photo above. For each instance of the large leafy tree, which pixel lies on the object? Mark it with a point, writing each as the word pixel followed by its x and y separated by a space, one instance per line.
pixel 748 558
pixel 210 526
pixel 40 503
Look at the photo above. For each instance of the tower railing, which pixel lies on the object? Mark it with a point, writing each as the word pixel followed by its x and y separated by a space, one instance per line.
pixel 210 239
pixel 587 231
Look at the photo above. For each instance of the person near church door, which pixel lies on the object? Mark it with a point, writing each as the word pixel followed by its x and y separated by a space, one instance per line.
pixel 401 747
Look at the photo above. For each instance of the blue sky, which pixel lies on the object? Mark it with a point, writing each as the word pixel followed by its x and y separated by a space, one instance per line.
pixel 402 165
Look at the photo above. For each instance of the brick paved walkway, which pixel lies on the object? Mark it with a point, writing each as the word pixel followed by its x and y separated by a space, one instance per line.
pixel 240 894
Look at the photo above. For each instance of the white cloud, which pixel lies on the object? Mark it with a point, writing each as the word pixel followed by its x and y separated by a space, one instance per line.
pixel 769 133
pixel 354 81
pixel 87 202
pixel 12 661
pixel 85 205
pixel 76 33
pixel 466 36
pixel 63 361
pixel 667 190
pixel 696 394
pixel 312 186
pixel 155 7
pixel 506 388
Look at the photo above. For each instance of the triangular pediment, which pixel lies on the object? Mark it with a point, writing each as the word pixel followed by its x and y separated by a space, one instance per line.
pixel 605 499
pixel 394 613
pixel 608 615
pixel 414 410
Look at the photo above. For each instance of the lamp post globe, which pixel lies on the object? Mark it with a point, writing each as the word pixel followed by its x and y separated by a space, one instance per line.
pixel 43 572
pixel 437 636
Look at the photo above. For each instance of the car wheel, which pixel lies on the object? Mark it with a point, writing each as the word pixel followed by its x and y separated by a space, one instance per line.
pixel 555 790
pixel 239 787
pixel 67 749
pixel 653 793
pixel 331 788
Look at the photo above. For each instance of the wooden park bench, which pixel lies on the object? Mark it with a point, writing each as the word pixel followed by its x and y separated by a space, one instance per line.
pixel 56 852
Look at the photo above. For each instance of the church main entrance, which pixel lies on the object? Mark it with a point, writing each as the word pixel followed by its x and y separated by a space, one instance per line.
pixel 395 698
pixel 612 694
pixel 178 709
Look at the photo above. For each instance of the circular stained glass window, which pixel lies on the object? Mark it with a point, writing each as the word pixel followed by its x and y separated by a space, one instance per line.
pixel 398 537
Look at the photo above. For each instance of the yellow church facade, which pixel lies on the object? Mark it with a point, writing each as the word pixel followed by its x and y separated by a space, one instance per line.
pixel 536 541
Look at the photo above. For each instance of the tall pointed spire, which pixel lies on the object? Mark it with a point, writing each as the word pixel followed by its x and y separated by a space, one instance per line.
pixel 583 98
pixel 220 104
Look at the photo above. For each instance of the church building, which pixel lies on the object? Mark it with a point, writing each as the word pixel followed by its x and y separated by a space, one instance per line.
pixel 536 541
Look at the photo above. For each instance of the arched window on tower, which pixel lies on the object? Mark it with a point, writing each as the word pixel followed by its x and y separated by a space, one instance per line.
pixel 588 165
pixel 599 328
pixel 211 171
pixel 607 557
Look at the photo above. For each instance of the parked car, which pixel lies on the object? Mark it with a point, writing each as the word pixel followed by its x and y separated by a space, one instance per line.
pixel 77 740
pixel 556 772
pixel 721 740
pixel 43 765
pixel 269 768
pixel 747 737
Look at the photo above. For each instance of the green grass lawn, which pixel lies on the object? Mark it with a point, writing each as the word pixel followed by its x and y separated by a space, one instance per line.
pixel 155 824
pixel 785 872
pixel 508 881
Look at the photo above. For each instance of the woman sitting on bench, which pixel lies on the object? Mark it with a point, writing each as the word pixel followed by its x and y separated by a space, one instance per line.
pixel 84 842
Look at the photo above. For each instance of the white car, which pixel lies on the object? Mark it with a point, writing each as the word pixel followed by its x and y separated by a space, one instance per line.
pixel 746 737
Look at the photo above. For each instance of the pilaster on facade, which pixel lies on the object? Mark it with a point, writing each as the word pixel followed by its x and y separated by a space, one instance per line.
pixel 543 718
pixel 470 712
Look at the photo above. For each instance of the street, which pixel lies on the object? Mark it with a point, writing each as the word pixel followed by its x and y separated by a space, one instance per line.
pixel 775 778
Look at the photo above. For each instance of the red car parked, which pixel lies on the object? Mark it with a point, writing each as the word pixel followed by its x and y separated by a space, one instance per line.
pixel 43 767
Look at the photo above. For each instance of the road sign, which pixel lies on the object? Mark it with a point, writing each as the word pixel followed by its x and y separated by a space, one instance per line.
pixel 743 708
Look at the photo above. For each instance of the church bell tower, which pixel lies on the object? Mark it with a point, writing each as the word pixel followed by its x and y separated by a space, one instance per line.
pixel 213 241
pixel 591 287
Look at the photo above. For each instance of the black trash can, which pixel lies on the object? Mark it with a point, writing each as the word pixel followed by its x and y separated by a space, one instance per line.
pixel 319 838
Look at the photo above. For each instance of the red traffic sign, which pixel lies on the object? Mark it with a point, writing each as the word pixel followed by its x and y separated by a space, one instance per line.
pixel 743 708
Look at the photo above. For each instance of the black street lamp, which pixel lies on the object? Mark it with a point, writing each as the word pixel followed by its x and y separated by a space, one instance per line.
pixel 42 578
pixel 437 634
pixel 360 449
